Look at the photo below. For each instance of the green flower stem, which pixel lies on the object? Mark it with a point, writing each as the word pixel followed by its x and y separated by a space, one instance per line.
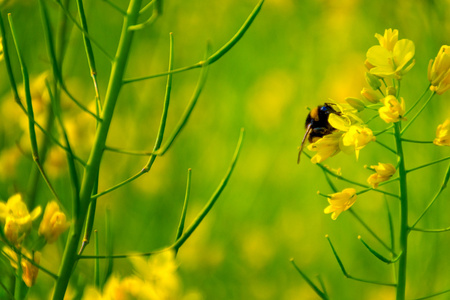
pixel 184 209
pixel 30 113
pixel 418 100
pixel 417 114
pixel 214 57
pixel 404 228
pixel 341 265
pixel 147 22
pixel 129 152
pixel 443 186
pixel 19 291
pixel 93 165
pixel 319 293
pixel 54 62
pixel 428 164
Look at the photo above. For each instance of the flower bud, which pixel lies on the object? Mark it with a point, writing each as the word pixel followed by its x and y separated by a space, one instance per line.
pixel 370 95
pixel 373 81
pixel 355 103
pixel 53 223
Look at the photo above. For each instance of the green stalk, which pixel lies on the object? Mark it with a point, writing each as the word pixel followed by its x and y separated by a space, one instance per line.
pixel 93 165
pixel 404 229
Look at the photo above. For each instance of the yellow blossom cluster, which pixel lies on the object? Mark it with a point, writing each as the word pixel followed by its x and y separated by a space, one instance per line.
pixel 155 278
pixel 340 202
pixel 17 222
pixel 384 172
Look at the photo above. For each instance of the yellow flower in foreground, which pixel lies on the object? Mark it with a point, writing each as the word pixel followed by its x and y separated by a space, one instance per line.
pixel 53 223
pixel 356 138
pixel 155 278
pixel 325 147
pixel 439 71
pixel 389 39
pixel 383 173
pixel 29 271
pixel 391 63
pixel 392 111
pixel 340 202
pixel 160 273
pixel 16 217
pixel 443 134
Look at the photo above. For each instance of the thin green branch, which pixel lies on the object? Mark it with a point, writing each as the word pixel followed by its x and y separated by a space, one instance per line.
pixel 30 113
pixel 418 100
pixel 443 186
pixel 213 198
pixel 185 205
pixel 97 262
pixel 391 225
pixel 147 22
pixel 147 6
pixel 8 293
pixel 431 230
pixel 385 146
pixel 202 214
pixel 97 44
pixel 417 114
pixel 89 51
pixel 7 59
pixel 376 254
pixel 433 295
pixel 54 62
pixel 214 57
pixel 161 129
pixel 341 265
pixel 360 220
pixel 113 5
pixel 75 184
pixel 428 164
pixel 129 152
pixel 416 141
pixel 319 293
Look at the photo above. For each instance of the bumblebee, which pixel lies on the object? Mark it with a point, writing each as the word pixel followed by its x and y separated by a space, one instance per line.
pixel 317 124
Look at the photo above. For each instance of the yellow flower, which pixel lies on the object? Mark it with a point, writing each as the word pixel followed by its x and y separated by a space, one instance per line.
pixel 17 218
pixel 383 173
pixel 439 71
pixel 392 58
pixel 29 271
pixel 160 272
pixel 53 223
pixel 392 111
pixel 326 147
pixel 389 39
pixel 443 134
pixel 155 278
pixel 356 138
pixel 340 202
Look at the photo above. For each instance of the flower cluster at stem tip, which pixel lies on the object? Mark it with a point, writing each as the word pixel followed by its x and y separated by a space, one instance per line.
pixel 386 63
pixel 17 222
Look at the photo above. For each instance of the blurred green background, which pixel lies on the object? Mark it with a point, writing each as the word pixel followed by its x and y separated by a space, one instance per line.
pixel 297 54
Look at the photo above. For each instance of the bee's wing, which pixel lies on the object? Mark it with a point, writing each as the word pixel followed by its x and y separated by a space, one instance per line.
pixel 308 130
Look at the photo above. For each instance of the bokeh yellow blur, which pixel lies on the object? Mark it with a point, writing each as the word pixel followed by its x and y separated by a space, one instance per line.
pixel 296 54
